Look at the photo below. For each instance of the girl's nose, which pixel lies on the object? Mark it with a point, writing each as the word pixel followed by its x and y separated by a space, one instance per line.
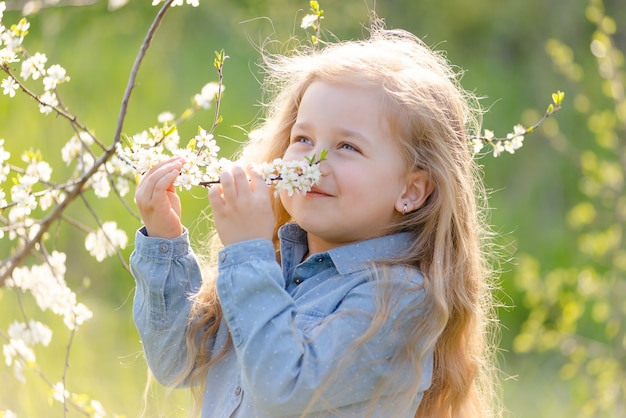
pixel 324 168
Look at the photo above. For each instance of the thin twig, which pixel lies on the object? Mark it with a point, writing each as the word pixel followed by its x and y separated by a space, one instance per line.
pixel 58 110
pixel 527 131
pixel 134 71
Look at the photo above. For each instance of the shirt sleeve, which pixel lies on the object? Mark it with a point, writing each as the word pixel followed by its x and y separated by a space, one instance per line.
pixel 285 361
pixel 166 273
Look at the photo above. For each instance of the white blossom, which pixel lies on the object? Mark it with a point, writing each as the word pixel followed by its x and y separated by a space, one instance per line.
pixel 5 169
pixel 3 204
pixel 191 172
pixel 59 393
pixel 7 412
pixel 166 117
pixel 72 149
pixel 122 185
pixel 99 182
pixel 201 164
pixel 22 196
pixel 170 139
pixel 292 176
pixel 98 409
pixel 34 66
pixel 308 21
pixel 7 55
pixel 49 100
pixel 477 145
pixel 22 338
pixel 32 333
pixel 105 241
pixel 50 198
pixel 40 170
pixel 4 154
pixel 498 148
pixel 55 76
pixel 207 141
pixel 17 353
pixel 9 87
pixel 207 95
pixel 515 139
pixel 21 28
pixel 47 285
pixel 116 4
pixel 13 38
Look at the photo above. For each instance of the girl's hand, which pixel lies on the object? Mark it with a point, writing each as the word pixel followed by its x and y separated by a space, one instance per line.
pixel 242 208
pixel 157 201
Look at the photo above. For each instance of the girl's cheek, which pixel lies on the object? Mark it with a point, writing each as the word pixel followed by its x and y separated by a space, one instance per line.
pixel 297 150
pixel 286 200
pixel 291 154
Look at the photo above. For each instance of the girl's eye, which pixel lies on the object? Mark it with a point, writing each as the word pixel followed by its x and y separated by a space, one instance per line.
pixel 348 147
pixel 302 140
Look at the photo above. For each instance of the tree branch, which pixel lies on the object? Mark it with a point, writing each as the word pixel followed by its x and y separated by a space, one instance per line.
pixel 8 266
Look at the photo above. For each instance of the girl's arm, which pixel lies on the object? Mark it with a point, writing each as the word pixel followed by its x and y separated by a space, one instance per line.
pixel 166 273
pixel 165 270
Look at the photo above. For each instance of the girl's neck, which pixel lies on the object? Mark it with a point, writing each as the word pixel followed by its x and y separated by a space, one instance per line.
pixel 317 245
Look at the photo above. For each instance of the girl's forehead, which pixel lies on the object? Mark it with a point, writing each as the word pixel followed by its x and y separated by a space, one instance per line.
pixel 336 93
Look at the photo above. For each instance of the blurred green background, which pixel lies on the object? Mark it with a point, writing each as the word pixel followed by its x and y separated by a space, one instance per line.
pixel 562 345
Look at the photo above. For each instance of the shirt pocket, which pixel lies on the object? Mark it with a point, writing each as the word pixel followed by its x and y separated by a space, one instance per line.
pixel 306 321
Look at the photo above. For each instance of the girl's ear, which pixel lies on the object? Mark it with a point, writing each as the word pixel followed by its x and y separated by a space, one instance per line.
pixel 418 188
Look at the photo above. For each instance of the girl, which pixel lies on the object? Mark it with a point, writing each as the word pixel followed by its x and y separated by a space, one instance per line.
pixel 366 296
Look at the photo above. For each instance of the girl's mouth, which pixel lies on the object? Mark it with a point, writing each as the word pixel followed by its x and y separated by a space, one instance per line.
pixel 316 191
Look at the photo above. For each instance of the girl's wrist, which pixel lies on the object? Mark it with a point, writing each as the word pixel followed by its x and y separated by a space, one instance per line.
pixel 164 234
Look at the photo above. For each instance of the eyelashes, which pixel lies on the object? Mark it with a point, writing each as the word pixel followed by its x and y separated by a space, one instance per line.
pixel 300 139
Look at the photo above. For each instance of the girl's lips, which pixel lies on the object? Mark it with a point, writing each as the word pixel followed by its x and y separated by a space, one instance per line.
pixel 317 191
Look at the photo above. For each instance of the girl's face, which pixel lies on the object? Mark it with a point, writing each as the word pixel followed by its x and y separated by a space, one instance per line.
pixel 364 178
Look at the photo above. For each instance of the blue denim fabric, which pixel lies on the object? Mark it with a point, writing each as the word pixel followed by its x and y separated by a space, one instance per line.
pixel 293 326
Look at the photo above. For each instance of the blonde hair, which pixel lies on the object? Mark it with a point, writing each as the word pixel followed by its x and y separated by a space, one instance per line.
pixel 431 117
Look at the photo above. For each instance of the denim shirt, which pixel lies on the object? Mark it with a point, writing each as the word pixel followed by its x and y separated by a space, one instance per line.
pixel 293 326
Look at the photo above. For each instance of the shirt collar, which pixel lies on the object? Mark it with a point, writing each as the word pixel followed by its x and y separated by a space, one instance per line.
pixel 352 257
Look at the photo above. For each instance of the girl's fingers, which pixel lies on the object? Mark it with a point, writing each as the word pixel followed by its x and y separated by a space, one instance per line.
pixel 215 197
pixel 227 186
pixel 242 183
pixel 158 170
pixel 257 182
pixel 235 185
pixel 164 166
pixel 241 206
pixel 169 168
pixel 155 190
pixel 165 180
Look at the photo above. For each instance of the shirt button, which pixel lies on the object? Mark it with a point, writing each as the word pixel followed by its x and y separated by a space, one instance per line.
pixel 223 257
pixel 297 280
pixel 164 248
pixel 238 391
pixel 319 259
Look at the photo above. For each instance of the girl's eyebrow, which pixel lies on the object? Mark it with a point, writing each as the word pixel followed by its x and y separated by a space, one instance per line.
pixel 303 126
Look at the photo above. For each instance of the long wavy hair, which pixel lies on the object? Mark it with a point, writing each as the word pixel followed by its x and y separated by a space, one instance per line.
pixel 431 117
